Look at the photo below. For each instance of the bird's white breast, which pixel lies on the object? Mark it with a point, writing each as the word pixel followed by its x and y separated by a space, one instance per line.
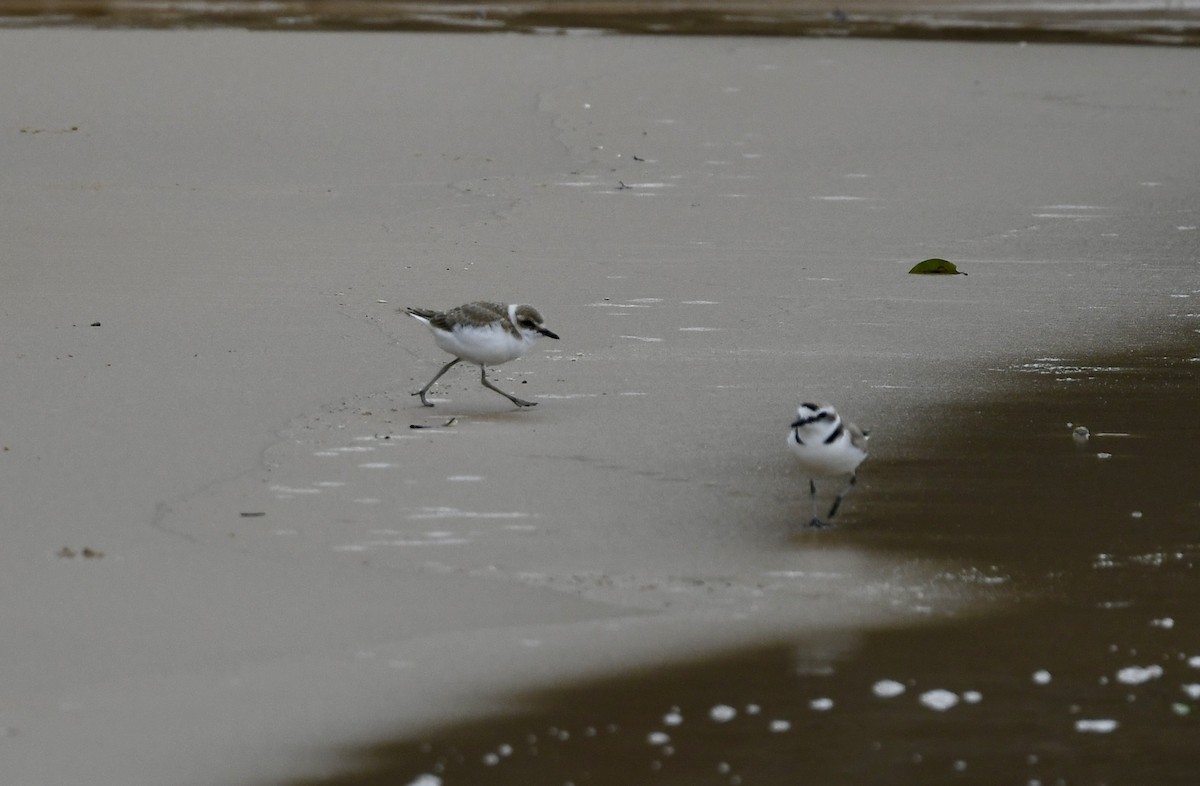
pixel 839 457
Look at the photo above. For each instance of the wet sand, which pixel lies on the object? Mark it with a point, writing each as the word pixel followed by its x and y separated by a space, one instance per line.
pixel 229 559
pixel 1086 670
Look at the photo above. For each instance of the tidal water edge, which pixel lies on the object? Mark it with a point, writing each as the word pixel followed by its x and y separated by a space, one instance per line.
pixel 1071 496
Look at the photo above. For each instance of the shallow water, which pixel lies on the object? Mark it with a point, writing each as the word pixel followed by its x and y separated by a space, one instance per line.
pixel 1085 669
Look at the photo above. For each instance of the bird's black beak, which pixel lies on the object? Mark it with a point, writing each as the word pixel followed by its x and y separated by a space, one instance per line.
pixel 546 332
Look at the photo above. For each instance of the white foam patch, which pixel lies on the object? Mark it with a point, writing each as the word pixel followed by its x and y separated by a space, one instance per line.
pixel 426 780
pixel 1096 726
pixel 400 542
pixel 1192 690
pixel 455 513
pixel 939 699
pixel 722 713
pixel 1041 677
pixel 355 449
pixel 376 465
pixel 887 689
pixel 1136 675
pixel 619 305
pixel 566 396
pixel 464 478
pixel 367 500
pixel 839 198
pixel 779 726
pixel 803 574
pixel 700 302
pixel 673 718
pixel 699 329
pixel 821 705
pixel 658 738
pixel 642 338
pixel 290 490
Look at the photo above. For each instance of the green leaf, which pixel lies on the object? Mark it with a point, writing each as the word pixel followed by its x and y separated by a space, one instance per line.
pixel 937 266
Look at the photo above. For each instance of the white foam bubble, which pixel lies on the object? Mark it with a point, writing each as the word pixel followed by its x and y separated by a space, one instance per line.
pixel 426 780
pixel 1136 675
pixel 886 689
pixel 939 699
pixel 722 713
pixel 1096 725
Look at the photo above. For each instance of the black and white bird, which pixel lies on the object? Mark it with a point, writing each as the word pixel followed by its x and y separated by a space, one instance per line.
pixel 483 333
pixel 827 447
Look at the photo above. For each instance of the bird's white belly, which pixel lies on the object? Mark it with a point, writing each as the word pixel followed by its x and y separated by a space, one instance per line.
pixel 827 460
pixel 483 345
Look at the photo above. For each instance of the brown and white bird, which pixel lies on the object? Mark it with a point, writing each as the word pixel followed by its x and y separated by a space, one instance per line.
pixel 827 447
pixel 483 333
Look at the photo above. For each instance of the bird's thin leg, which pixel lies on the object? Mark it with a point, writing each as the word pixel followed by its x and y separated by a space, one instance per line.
pixel 436 377
pixel 816 522
pixel 518 401
pixel 838 502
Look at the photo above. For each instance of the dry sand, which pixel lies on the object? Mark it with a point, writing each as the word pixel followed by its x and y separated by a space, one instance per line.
pixel 717 228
